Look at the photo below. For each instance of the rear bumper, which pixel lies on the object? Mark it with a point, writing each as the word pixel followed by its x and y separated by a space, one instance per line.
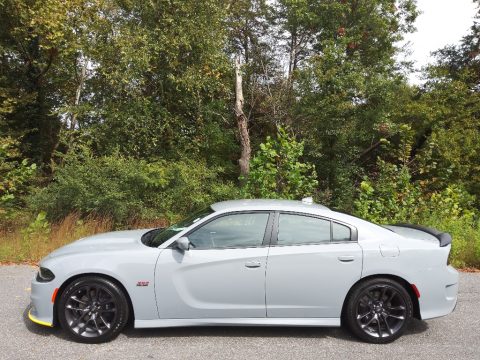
pixel 440 294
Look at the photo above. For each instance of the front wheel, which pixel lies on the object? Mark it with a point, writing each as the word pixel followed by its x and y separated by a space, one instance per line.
pixel 93 309
pixel 379 310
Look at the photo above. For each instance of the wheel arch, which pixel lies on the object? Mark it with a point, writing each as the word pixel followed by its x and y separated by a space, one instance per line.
pixel 406 285
pixel 131 316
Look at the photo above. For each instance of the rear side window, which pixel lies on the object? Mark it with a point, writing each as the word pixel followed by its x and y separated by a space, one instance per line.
pixel 298 229
pixel 294 229
pixel 340 232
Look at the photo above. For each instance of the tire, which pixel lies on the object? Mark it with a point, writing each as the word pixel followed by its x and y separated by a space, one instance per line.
pixel 378 310
pixel 93 309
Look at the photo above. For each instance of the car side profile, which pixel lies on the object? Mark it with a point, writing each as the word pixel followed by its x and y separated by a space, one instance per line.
pixel 249 262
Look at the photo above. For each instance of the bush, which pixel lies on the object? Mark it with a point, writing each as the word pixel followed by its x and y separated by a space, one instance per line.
pixel 466 239
pixel 276 171
pixel 15 176
pixel 389 198
pixel 392 197
pixel 123 189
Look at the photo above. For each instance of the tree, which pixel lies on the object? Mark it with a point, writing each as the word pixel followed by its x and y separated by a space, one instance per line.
pixel 248 44
pixel 242 121
pixel 30 34
pixel 349 89
pixel 462 61
pixel 15 175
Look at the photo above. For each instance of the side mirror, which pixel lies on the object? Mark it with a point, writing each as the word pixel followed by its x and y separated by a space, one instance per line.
pixel 182 243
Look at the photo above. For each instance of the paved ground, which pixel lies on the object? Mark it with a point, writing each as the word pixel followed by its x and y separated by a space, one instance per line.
pixel 453 337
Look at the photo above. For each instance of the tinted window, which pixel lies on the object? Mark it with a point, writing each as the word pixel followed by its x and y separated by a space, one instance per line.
pixel 236 230
pixel 298 229
pixel 157 237
pixel 340 232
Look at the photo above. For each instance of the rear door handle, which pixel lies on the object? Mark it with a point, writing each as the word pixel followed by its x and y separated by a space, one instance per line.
pixel 253 264
pixel 346 258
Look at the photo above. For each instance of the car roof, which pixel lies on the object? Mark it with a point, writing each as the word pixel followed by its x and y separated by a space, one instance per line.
pixel 267 204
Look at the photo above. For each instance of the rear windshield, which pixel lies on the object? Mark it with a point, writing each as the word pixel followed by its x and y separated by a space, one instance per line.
pixel 157 237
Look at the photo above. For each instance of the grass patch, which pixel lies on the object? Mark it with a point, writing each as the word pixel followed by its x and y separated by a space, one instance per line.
pixel 23 242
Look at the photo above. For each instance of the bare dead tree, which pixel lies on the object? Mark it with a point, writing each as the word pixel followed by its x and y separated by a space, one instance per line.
pixel 242 121
pixel 78 93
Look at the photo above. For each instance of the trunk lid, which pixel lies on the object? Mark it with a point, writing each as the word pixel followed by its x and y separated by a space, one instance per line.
pixel 420 232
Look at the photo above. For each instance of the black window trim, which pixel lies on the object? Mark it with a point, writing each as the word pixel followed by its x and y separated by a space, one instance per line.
pixel 266 236
pixel 353 230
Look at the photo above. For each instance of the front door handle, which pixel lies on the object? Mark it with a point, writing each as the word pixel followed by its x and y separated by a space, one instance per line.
pixel 346 258
pixel 253 264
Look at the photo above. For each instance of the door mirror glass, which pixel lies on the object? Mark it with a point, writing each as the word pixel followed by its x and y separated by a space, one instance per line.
pixel 182 243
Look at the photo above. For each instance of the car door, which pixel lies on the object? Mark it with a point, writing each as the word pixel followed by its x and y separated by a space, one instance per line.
pixel 222 275
pixel 312 264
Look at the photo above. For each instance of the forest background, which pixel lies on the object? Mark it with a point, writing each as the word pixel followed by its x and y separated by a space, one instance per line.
pixel 126 113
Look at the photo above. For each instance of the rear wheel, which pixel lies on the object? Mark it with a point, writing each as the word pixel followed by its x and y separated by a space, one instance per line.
pixel 93 309
pixel 379 310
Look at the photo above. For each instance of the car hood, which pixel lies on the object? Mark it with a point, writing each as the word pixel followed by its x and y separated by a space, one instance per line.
pixel 111 241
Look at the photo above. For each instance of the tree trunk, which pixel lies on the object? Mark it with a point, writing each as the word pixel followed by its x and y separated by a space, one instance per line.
pixel 293 55
pixel 242 122
pixel 78 94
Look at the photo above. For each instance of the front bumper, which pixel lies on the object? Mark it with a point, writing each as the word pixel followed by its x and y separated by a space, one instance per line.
pixel 42 298
pixel 34 319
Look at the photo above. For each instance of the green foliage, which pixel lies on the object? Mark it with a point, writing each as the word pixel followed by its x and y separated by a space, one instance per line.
pixel 349 90
pixel 276 171
pixel 15 175
pixel 126 108
pixel 466 239
pixel 393 194
pixel 38 229
pixel 123 188
pixel 160 85
pixel 391 197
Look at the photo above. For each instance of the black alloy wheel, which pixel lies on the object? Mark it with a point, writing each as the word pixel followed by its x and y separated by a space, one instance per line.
pixel 93 310
pixel 379 310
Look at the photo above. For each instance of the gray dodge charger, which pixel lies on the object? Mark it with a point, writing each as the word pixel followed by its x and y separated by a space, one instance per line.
pixel 249 262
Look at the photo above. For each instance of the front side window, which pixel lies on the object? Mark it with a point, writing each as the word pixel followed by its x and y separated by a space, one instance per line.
pixel 157 237
pixel 231 231
pixel 298 229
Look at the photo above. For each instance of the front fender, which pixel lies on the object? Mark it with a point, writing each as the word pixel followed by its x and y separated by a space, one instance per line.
pixel 134 270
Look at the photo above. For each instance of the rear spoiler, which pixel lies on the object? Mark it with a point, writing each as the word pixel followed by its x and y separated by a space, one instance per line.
pixel 443 237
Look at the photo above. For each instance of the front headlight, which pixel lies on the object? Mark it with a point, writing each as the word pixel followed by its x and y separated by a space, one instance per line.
pixel 45 275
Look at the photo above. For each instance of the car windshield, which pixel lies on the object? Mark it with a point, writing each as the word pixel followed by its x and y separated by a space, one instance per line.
pixel 162 235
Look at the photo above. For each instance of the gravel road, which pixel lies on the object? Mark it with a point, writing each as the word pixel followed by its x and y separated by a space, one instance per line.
pixel 453 337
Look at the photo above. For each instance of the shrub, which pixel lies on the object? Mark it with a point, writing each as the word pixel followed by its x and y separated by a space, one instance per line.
pixel 466 239
pixel 15 176
pixel 276 170
pixel 123 188
pixel 392 197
